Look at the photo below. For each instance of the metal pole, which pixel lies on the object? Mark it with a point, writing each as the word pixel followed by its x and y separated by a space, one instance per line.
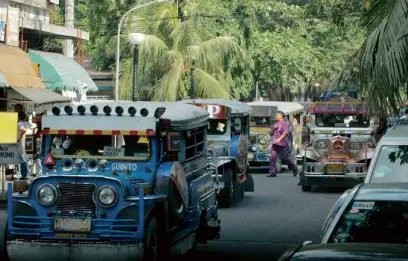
pixel 3 181
pixel 118 43
pixel 135 73
pixel 193 92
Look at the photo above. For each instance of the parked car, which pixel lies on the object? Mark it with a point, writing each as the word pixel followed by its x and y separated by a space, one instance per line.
pixel 349 252
pixel 369 213
pixel 389 162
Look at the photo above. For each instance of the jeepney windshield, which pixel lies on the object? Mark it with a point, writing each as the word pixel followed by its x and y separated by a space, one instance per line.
pixel 216 127
pixel 342 121
pixel 391 165
pixel 129 147
pixel 261 121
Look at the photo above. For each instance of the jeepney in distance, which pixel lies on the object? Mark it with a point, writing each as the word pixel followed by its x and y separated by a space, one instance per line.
pixel 262 118
pixel 341 144
pixel 121 181
pixel 227 150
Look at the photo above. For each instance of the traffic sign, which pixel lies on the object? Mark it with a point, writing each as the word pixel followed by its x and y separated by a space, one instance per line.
pixel 10 154
pixel 49 160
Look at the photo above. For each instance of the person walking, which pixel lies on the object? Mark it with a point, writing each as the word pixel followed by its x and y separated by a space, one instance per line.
pixel 381 130
pixel 22 127
pixel 280 145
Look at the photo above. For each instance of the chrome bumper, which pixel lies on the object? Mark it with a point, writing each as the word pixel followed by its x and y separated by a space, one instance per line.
pixel 351 170
pixel 33 250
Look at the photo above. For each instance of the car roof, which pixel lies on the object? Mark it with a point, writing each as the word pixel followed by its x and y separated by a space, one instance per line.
pixel 286 107
pixel 397 133
pixel 236 106
pixel 383 191
pixel 351 252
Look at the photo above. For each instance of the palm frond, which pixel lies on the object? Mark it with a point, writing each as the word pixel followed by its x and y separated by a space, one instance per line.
pixel 210 54
pixel 168 85
pixel 209 87
pixel 126 79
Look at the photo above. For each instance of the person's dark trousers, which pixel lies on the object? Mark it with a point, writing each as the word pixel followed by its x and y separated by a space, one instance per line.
pixel 23 169
pixel 284 154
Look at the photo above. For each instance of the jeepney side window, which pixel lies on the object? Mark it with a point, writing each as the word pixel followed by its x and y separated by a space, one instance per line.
pixel 261 121
pixel 195 140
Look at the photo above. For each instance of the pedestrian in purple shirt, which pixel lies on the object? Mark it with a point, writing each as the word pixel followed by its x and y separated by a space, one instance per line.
pixel 280 145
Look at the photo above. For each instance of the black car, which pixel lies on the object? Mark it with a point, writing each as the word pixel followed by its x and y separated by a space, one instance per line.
pixel 346 251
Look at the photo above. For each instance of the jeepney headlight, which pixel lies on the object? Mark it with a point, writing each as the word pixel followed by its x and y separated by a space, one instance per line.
pixel 107 196
pixel 47 194
pixel 263 140
pixel 321 145
pixel 253 148
pixel 356 145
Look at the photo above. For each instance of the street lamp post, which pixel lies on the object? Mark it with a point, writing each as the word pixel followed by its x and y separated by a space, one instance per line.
pixel 136 39
pixel 118 42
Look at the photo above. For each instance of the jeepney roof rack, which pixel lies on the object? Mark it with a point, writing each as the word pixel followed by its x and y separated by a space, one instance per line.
pixel 237 107
pixel 181 116
pixel 286 107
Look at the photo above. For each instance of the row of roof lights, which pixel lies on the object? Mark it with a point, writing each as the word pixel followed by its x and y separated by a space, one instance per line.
pixel 108 110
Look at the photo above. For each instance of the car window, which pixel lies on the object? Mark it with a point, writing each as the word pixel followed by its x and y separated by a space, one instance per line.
pixel 372 222
pixel 333 212
pixel 391 165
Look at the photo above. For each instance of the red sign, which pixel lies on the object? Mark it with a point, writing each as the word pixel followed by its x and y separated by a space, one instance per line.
pixel 215 111
pixel 339 107
pixel 49 160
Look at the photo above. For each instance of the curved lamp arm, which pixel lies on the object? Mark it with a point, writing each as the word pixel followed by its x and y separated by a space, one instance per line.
pixel 118 42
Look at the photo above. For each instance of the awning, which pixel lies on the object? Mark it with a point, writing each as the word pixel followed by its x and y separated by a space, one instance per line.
pixel 3 81
pixel 60 72
pixel 15 66
pixel 41 96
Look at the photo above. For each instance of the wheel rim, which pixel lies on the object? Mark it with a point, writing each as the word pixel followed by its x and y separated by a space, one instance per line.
pixel 232 189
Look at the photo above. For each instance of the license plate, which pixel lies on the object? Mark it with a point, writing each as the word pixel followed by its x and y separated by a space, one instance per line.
pixel 72 224
pixel 71 235
pixel 250 156
pixel 334 168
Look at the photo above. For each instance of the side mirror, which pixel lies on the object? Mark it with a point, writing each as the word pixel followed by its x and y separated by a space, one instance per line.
pixel 173 141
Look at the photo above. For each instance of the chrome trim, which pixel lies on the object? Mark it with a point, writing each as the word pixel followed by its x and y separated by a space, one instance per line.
pixel 99 190
pixel 54 189
pixel 86 183
pixel 23 202
pixel 148 197
pixel 207 195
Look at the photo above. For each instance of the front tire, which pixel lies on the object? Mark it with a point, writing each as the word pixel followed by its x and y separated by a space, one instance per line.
pixel 177 210
pixel 3 245
pixel 226 197
pixel 154 247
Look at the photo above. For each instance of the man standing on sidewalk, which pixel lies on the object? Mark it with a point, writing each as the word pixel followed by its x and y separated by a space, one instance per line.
pixel 280 145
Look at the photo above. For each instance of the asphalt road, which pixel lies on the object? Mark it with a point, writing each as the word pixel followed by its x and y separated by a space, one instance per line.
pixel 276 216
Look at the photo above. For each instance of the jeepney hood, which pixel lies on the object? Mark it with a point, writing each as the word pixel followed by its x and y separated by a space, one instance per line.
pixel 218 149
pixel 122 171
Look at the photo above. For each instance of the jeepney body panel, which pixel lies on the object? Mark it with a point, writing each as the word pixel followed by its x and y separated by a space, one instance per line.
pixel 228 132
pixel 109 165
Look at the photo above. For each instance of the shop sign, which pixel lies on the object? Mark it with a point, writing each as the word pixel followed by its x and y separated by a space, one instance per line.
pixel 12 26
pixel 9 154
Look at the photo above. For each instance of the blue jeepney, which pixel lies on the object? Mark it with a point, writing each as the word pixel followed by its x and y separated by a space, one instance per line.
pixel 121 181
pixel 227 150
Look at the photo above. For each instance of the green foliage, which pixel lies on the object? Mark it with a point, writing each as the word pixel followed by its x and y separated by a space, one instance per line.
pixel 284 47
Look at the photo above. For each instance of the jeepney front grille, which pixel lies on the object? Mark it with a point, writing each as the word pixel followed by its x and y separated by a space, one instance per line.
pixel 77 198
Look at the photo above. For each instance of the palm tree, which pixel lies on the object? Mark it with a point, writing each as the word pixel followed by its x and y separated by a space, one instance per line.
pixel 172 48
pixel 381 64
